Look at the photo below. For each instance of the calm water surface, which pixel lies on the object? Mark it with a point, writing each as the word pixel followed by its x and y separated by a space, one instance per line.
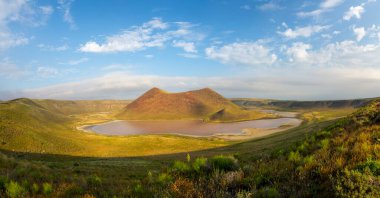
pixel 186 127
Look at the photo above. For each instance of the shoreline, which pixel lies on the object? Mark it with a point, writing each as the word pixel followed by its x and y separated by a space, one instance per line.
pixel 246 133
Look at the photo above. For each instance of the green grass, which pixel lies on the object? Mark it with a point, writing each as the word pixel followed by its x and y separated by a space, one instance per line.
pixel 45 149
pixel 27 127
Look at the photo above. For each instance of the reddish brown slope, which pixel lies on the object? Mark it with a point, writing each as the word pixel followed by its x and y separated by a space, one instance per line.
pixel 157 104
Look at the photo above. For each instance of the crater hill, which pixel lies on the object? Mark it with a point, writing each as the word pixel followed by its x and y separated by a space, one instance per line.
pixel 204 104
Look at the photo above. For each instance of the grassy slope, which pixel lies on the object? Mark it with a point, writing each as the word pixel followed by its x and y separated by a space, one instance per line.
pixel 119 174
pixel 68 107
pixel 200 104
pixel 301 105
pixel 28 126
pixel 340 160
pixel 115 173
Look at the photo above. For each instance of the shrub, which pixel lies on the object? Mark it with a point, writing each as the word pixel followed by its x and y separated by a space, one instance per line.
pixel 372 165
pixel 232 178
pixel 244 194
pixel 355 184
pixel 180 167
pixel 94 181
pixel 35 188
pixel 14 190
pixel 268 192
pixel 3 182
pixel 47 189
pixel 324 143
pixel 224 163
pixel 200 164
pixel 188 158
pixel 308 159
pixel 164 178
pixel 138 189
pixel 183 188
pixel 294 156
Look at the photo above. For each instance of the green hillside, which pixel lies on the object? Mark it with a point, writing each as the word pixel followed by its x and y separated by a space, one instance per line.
pixel 334 158
pixel 342 160
pixel 27 126
pixel 299 105
pixel 69 107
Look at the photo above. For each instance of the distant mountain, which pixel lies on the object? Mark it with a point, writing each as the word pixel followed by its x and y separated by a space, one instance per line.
pixel 290 105
pixel 204 104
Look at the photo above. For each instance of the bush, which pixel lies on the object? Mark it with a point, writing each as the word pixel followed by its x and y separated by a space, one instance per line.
pixel 294 156
pixel 164 178
pixel 183 188
pixel 355 184
pixel 35 188
pixel 372 165
pixel 180 167
pixel 324 143
pixel 224 163
pixel 47 189
pixel 14 190
pixel 94 181
pixel 200 164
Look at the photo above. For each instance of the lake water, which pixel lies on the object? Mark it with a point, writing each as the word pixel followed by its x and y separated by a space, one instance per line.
pixel 187 127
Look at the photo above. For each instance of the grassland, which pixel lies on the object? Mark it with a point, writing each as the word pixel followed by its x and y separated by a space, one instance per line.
pixel 45 131
pixel 47 148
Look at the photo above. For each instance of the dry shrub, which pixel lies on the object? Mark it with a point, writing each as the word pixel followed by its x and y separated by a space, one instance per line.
pixel 232 178
pixel 183 187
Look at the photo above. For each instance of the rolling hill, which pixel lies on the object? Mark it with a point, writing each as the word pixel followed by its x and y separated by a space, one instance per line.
pixel 295 105
pixel 26 125
pixel 203 104
pixel 70 107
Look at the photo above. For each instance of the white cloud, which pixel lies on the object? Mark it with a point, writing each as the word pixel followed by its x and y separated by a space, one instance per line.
pixel 298 52
pixel 245 7
pixel 187 46
pixel 8 39
pixel 149 56
pixel 189 55
pixel 244 53
pixel 359 33
pixel 336 32
pixel 325 6
pixel 65 7
pixel 346 54
pixel 154 33
pixel 9 70
pixel 47 72
pixel 22 12
pixel 314 13
pixel 330 3
pixel 306 31
pixel 9 12
pixel 374 32
pixel 281 83
pixel 78 61
pixel 60 48
pixel 356 11
pixel 269 6
pixel 47 10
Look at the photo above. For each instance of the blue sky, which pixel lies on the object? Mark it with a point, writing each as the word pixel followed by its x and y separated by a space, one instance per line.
pixel 304 50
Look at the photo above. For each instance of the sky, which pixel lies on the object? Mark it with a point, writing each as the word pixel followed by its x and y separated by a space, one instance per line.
pixel 118 49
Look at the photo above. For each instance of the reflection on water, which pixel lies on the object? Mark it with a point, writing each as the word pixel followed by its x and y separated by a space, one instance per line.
pixel 187 127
